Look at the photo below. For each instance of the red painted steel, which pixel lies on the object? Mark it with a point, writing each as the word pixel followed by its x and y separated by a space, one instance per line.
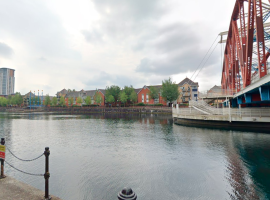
pixel 239 46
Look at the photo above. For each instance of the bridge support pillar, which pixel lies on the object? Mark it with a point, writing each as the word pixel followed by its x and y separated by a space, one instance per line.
pixel 240 100
pixel 234 103
pixel 248 98
pixel 264 93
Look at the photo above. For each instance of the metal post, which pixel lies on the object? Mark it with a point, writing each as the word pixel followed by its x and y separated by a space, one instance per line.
pixel 47 174
pixel 30 99
pixel 230 118
pixel 127 194
pixel 2 161
pixel 240 110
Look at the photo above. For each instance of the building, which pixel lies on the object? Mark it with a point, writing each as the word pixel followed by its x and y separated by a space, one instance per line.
pixel 143 95
pixel 188 91
pixel 7 81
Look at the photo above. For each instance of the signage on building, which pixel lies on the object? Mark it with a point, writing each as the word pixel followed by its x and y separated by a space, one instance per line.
pixel 2 152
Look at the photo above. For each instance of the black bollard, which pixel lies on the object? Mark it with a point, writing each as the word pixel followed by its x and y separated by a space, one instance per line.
pixel 47 173
pixel 2 161
pixel 127 194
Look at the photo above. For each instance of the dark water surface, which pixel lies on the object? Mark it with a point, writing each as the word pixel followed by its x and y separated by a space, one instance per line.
pixel 94 157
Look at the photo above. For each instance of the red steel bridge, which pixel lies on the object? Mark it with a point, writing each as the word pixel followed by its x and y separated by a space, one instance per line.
pixel 246 70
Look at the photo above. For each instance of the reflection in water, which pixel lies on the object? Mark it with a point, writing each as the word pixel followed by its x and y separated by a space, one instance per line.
pixel 95 156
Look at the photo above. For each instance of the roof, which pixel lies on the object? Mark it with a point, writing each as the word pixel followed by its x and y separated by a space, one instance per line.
pixel 188 81
pixel 216 87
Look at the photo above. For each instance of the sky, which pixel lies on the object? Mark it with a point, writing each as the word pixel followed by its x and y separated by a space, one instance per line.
pixel 90 44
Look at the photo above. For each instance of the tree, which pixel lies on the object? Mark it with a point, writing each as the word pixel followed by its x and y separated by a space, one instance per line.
pixel 17 99
pixel 110 99
pixel 70 101
pixel 98 98
pixel 114 91
pixel 88 100
pixel 69 90
pixel 128 91
pixel 79 100
pixel 153 93
pixel 123 97
pixel 133 97
pixel 54 101
pixel 62 101
pixel 169 90
pixel 3 101
pixel 47 100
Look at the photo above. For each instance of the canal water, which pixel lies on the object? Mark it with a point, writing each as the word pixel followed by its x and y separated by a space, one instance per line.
pixel 94 157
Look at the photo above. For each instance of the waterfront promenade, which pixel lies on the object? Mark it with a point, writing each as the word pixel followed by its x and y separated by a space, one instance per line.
pixel 12 189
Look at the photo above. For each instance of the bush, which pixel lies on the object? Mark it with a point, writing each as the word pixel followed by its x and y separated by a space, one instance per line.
pixel 74 105
pixel 140 104
pixel 92 105
pixel 159 104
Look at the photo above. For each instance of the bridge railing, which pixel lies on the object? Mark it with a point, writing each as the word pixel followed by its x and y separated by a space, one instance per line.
pixel 202 109
pixel 216 93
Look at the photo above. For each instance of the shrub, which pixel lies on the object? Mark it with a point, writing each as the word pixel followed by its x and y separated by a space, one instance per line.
pixel 140 104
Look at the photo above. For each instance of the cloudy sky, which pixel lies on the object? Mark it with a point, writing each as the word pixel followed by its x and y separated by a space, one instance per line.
pixel 89 44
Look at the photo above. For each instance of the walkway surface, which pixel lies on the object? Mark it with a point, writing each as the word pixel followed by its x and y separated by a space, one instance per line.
pixel 12 189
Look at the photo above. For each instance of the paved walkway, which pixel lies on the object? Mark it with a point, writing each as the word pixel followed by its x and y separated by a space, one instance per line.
pixel 12 189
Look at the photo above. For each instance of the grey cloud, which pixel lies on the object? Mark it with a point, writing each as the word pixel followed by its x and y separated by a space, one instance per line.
pixel 176 50
pixel 93 37
pixel 34 25
pixel 104 79
pixel 5 50
pixel 128 18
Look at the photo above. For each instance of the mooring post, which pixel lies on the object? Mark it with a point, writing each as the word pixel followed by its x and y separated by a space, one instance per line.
pixel 127 194
pixel 2 158
pixel 47 174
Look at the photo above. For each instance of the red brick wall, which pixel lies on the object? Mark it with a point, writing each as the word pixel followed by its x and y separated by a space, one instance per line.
pixel 145 91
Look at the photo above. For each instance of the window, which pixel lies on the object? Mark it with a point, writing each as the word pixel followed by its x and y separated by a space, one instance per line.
pixel 147 100
pixel 195 95
pixel 194 90
pixel 156 100
pixel 143 98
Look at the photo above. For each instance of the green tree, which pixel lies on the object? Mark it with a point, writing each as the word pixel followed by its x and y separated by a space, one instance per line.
pixel 123 97
pixel 153 93
pixel 128 91
pixel 54 101
pixel 9 99
pixel 133 97
pixel 169 90
pixel 68 90
pixel 113 91
pixel 79 100
pixel 88 100
pixel 98 98
pixel 110 99
pixel 3 101
pixel 70 101
pixel 62 101
pixel 47 100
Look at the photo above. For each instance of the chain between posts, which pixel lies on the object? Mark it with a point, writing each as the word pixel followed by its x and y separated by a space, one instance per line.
pixel 24 159
pixel 23 171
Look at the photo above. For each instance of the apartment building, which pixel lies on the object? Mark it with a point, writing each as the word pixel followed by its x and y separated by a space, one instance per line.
pixel 188 91
pixel 7 81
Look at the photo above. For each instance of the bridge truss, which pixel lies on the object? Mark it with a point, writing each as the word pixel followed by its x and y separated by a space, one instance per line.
pixel 247 46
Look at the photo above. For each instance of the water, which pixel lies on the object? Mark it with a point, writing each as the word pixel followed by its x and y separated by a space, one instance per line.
pixel 94 157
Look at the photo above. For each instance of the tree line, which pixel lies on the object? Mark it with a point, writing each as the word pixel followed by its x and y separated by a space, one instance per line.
pixel 169 92
pixel 88 100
